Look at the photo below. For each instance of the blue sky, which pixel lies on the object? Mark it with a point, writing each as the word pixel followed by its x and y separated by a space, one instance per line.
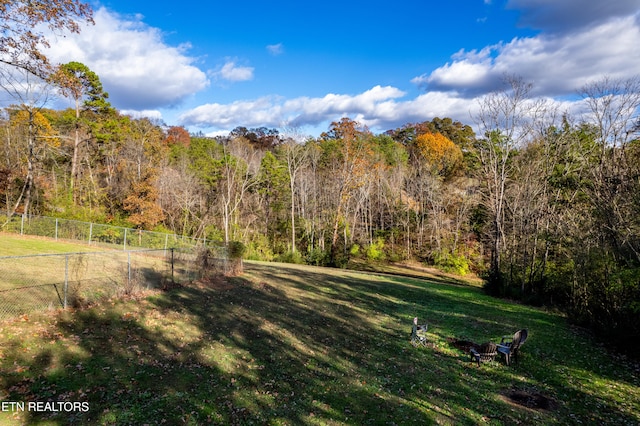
pixel 297 66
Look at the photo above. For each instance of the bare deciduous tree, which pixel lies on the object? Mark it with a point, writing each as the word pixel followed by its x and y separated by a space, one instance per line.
pixel 295 156
pixel 505 121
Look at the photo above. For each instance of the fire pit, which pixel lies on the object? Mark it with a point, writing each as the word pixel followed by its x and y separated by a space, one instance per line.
pixel 529 399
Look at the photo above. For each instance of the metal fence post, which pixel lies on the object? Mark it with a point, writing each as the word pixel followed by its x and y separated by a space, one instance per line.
pixel 172 263
pixel 22 225
pixel 66 279
pixel 90 232
pixel 125 239
pixel 56 229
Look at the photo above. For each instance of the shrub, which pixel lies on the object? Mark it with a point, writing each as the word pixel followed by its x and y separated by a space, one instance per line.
pixel 291 257
pixel 317 257
pixel 259 250
pixel 375 251
pixel 451 262
pixel 396 256
pixel 235 251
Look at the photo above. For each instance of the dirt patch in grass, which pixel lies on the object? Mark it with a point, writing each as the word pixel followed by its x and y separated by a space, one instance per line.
pixel 529 399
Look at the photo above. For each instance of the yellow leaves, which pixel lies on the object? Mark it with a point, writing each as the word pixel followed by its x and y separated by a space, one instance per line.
pixel 439 151
pixel 41 128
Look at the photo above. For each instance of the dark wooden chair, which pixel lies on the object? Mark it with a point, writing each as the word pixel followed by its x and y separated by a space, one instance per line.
pixel 509 346
pixel 418 333
pixel 485 353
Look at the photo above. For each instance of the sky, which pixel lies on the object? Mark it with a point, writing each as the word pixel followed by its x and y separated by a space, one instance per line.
pixel 211 66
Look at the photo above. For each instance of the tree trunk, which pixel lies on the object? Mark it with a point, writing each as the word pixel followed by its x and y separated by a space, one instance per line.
pixel 74 159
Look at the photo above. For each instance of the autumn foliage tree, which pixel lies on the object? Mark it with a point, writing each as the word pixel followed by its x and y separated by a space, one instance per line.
pixel 178 135
pixel 32 136
pixel 22 42
pixel 440 152
pixel 142 203
pixel 353 164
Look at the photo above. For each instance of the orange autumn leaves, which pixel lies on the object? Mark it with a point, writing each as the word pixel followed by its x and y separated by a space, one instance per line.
pixel 440 152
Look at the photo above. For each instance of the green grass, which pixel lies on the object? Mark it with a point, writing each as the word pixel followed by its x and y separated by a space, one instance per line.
pixel 33 272
pixel 296 345
pixel 18 245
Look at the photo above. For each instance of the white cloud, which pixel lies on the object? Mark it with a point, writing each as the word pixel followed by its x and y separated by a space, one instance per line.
pixel 230 71
pixel 378 107
pixel 275 49
pixel 473 72
pixel 135 65
pixel 151 114
pixel 557 65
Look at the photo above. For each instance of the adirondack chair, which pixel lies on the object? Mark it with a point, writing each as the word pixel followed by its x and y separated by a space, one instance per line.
pixel 419 333
pixel 486 352
pixel 509 346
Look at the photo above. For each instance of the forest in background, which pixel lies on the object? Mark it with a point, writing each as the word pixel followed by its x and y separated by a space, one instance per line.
pixel 543 205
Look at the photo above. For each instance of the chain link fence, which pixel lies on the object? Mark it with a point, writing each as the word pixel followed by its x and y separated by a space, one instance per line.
pixel 54 281
pixel 96 234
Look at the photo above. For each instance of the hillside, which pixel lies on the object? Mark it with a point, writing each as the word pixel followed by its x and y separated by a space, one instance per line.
pixel 287 344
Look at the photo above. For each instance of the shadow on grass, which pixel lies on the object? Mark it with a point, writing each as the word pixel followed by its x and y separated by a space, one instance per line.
pixel 290 345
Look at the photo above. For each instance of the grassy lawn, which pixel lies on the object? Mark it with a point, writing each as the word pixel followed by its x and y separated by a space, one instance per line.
pixel 294 345
pixel 20 245
pixel 35 270
pixel 38 274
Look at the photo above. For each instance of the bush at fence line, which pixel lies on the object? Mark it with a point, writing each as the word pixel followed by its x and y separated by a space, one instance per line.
pixel 148 239
pixel 108 234
pixel 39 227
pixel 159 240
pixel 235 252
pixel 69 230
pixel 11 224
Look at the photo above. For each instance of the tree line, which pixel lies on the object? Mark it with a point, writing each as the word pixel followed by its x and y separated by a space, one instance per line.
pixel 542 204
pixel 545 206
